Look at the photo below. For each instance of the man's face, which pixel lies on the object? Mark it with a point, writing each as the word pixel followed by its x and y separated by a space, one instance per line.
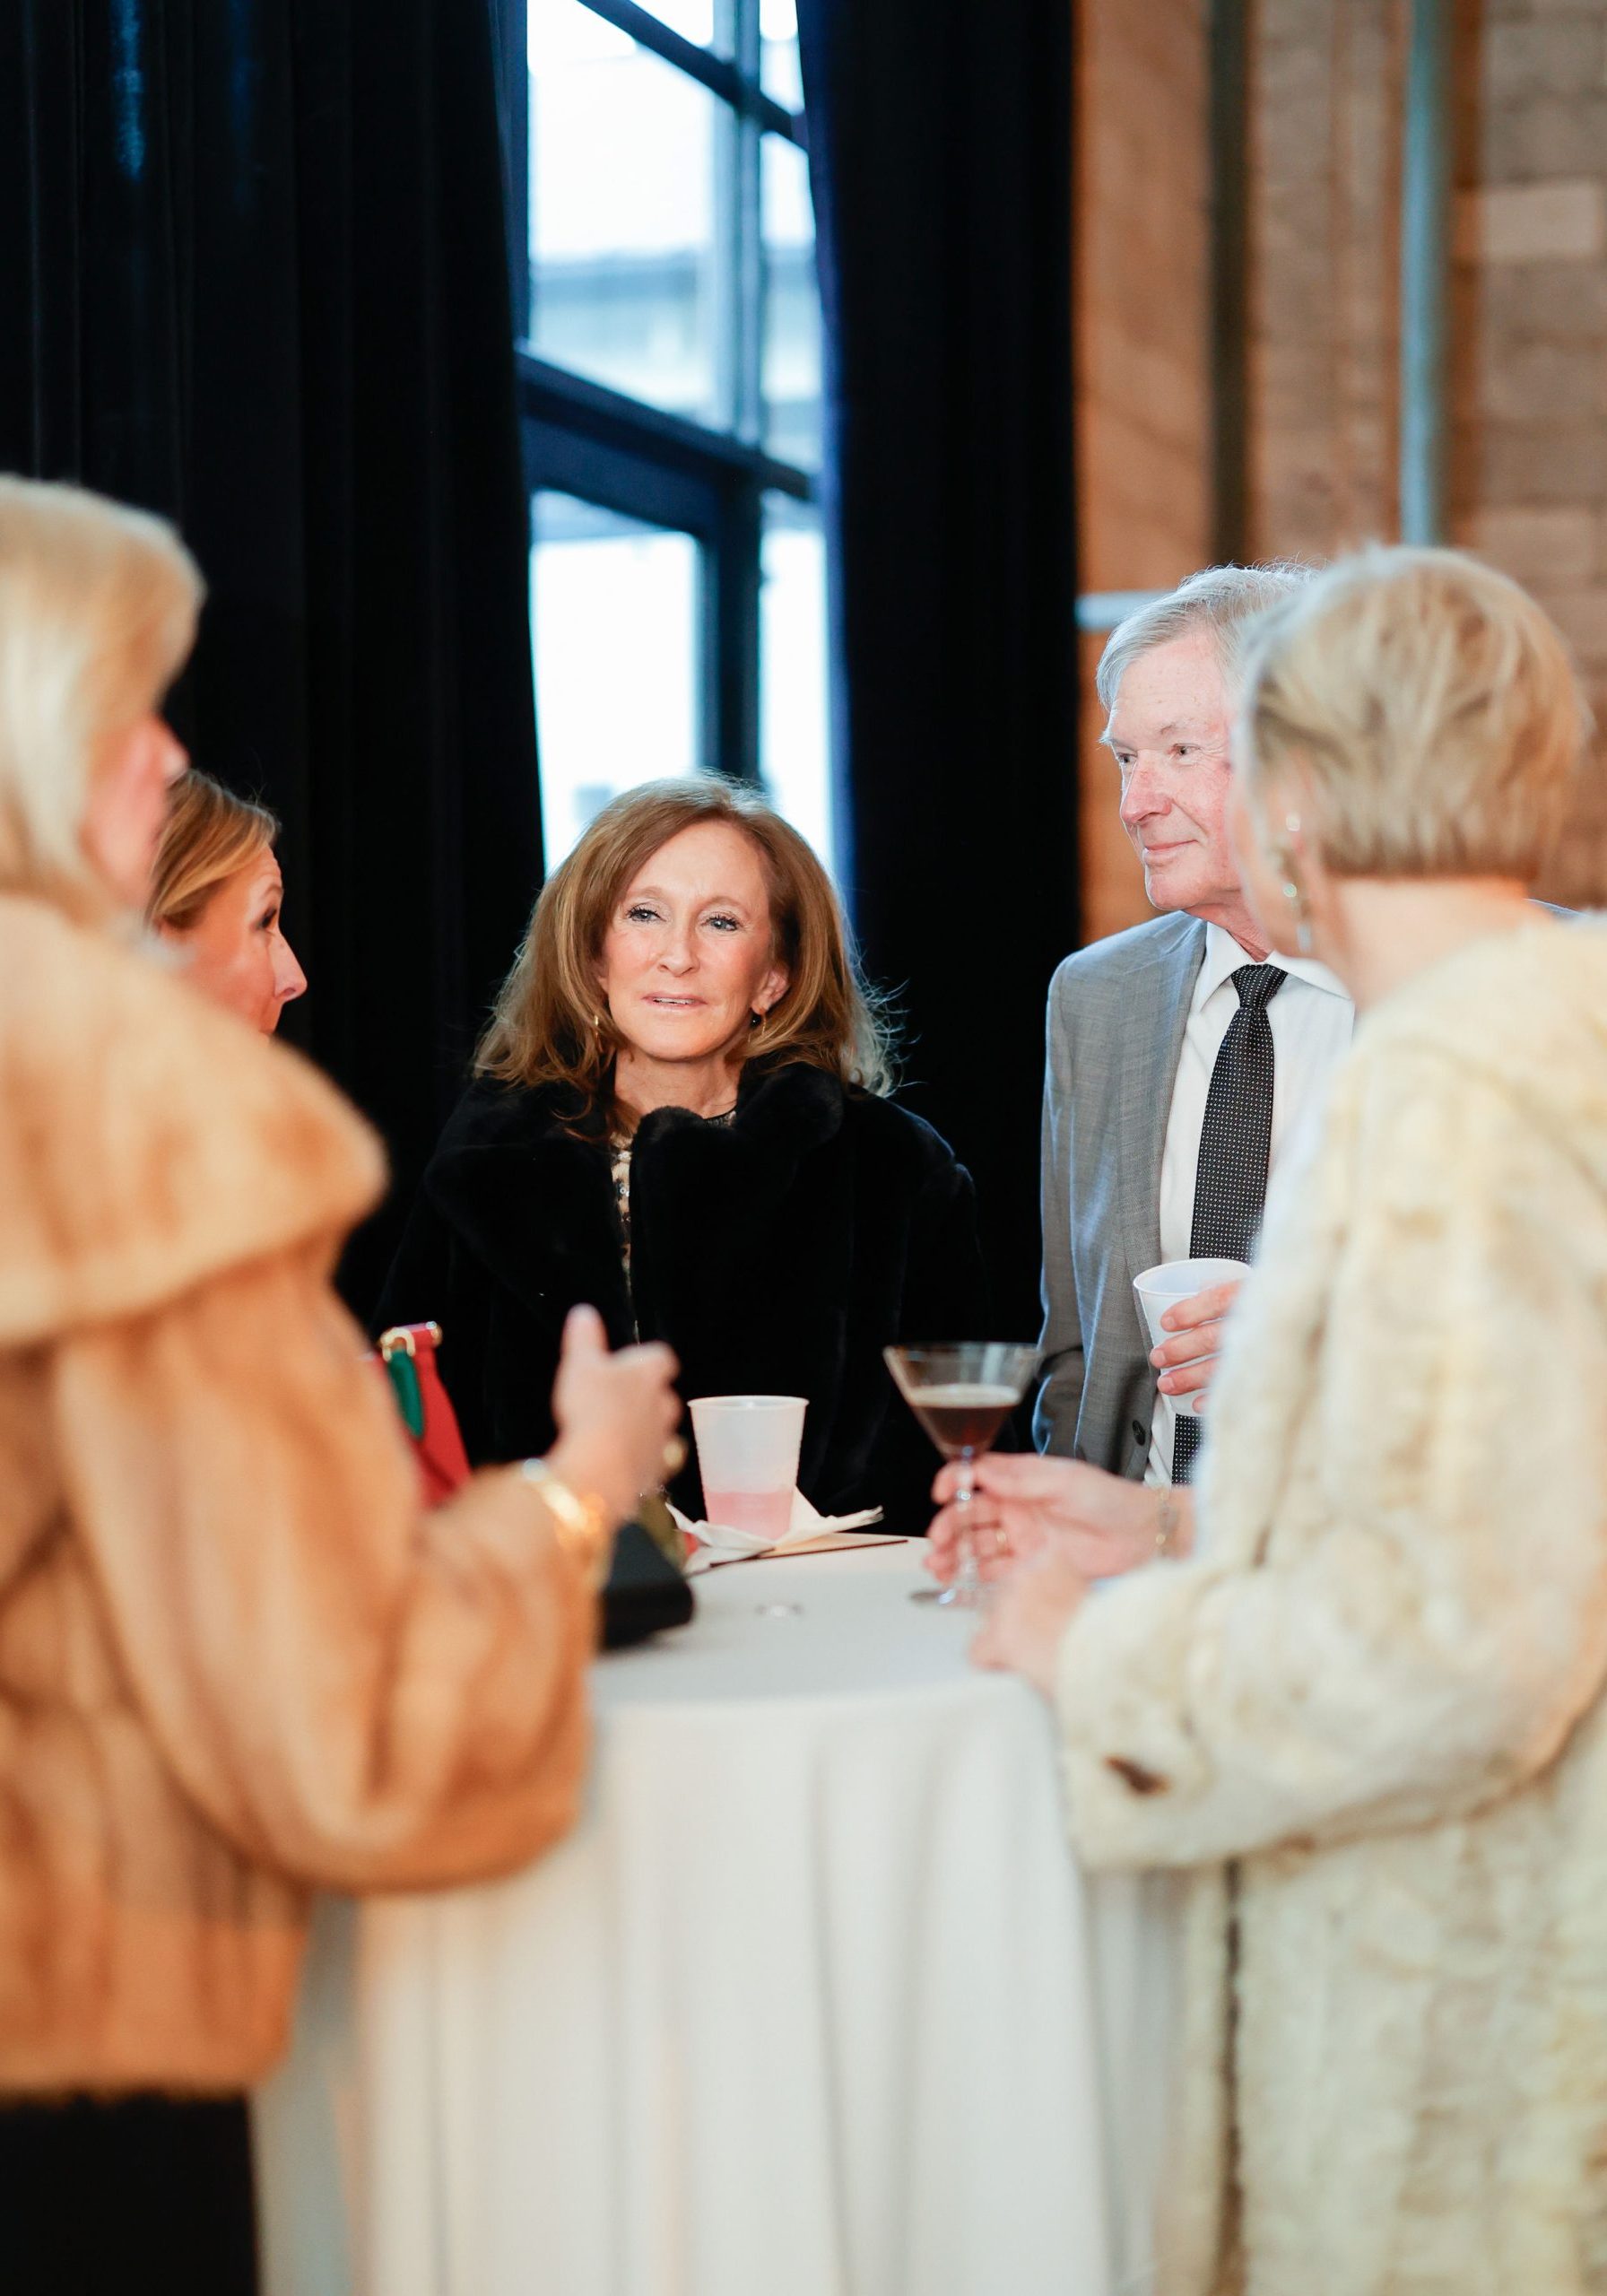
pixel 1169 734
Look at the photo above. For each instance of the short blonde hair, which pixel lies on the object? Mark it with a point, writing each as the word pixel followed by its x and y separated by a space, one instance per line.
pixel 546 1026
pixel 211 836
pixel 1424 709
pixel 98 610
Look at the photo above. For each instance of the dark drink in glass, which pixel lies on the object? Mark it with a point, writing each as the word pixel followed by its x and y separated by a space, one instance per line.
pixel 961 1418
pixel 962 1394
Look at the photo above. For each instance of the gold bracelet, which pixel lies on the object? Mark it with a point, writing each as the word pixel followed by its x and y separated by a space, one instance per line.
pixel 1165 1522
pixel 580 1525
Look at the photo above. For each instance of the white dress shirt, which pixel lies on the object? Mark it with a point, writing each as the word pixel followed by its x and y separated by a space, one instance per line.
pixel 1311 1019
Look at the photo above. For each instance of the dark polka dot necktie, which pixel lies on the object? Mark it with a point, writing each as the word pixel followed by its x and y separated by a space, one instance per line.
pixel 1235 1146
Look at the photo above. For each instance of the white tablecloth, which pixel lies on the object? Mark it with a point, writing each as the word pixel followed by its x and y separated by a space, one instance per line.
pixel 815 2002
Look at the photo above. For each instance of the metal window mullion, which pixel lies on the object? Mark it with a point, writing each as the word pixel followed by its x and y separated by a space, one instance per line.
pixel 744 520
pixel 558 395
pixel 737 614
pixel 713 727
pixel 729 617
pixel 711 730
pixel 721 78
pixel 744 34
pixel 749 282
pixel 749 285
pixel 725 259
pixel 1425 273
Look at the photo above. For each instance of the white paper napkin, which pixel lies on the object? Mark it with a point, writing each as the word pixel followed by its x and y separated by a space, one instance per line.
pixel 719 1542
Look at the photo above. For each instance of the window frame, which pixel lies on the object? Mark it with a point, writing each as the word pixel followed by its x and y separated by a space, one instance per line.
pixel 581 437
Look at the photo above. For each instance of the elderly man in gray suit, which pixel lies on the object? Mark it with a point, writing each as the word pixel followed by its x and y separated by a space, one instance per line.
pixel 1180 1054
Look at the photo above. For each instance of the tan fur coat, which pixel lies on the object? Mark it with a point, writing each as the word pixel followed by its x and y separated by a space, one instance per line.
pixel 235 1660
pixel 1370 1715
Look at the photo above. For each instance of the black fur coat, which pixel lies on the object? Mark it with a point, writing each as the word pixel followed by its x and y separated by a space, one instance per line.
pixel 778 1256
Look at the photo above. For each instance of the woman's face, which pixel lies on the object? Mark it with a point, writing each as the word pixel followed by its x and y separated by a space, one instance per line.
pixel 127 808
pixel 1263 887
pixel 688 957
pixel 1261 873
pixel 235 952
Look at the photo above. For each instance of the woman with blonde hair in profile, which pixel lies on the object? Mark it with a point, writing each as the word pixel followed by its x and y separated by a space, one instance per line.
pixel 1368 1713
pixel 216 893
pixel 237 1660
pixel 681 1117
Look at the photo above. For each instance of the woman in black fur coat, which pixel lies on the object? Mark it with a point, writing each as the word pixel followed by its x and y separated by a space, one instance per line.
pixel 679 1116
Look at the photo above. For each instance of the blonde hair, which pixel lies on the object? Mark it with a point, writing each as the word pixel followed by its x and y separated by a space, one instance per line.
pixel 1225 602
pixel 97 609
pixel 211 836
pixel 547 1025
pixel 1425 709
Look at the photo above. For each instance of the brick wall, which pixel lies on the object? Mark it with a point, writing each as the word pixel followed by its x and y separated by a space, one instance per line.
pixel 1529 461
pixel 1529 319
pixel 1143 400
pixel 1528 464
pixel 1325 194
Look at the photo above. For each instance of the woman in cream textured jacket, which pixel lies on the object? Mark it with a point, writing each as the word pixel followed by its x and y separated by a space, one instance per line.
pixel 1368 1713
pixel 236 1660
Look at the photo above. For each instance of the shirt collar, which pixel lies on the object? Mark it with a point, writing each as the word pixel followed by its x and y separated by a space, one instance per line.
pixel 1224 957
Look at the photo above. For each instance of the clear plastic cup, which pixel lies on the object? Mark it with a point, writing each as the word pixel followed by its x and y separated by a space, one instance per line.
pixel 748 1450
pixel 1160 1288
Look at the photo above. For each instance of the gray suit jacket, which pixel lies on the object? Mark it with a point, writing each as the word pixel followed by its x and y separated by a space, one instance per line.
pixel 1117 1014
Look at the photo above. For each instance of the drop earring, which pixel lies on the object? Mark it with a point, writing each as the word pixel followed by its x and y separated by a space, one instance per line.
pixel 1293 890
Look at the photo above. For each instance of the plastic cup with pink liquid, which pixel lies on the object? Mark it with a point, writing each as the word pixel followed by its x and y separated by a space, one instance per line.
pixel 748 1450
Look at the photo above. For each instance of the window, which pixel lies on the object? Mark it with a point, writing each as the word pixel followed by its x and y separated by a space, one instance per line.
pixel 670 381
pixel 592 575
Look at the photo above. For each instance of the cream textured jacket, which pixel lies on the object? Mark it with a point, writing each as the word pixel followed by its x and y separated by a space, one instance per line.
pixel 235 1659
pixel 1370 1715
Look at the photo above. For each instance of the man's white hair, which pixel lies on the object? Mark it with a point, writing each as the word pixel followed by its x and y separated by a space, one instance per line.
pixel 1226 601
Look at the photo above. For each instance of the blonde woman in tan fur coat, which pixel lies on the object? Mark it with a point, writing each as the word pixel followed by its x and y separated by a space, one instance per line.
pixel 1369 1715
pixel 235 1662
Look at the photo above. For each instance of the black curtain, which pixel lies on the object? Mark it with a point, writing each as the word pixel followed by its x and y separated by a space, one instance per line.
pixel 940 156
pixel 253 277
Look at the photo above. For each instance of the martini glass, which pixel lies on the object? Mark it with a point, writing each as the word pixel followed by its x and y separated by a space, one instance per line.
pixel 962 1395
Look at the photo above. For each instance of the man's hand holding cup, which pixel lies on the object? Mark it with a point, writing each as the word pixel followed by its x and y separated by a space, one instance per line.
pixel 1183 1305
pixel 1187 1360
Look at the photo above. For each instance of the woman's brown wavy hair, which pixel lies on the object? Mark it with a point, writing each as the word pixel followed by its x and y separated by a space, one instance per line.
pixel 547 1025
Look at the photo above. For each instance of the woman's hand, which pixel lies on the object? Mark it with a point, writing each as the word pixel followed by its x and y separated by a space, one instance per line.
pixel 615 1416
pixel 1187 1362
pixel 1022 1631
pixel 1108 1525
